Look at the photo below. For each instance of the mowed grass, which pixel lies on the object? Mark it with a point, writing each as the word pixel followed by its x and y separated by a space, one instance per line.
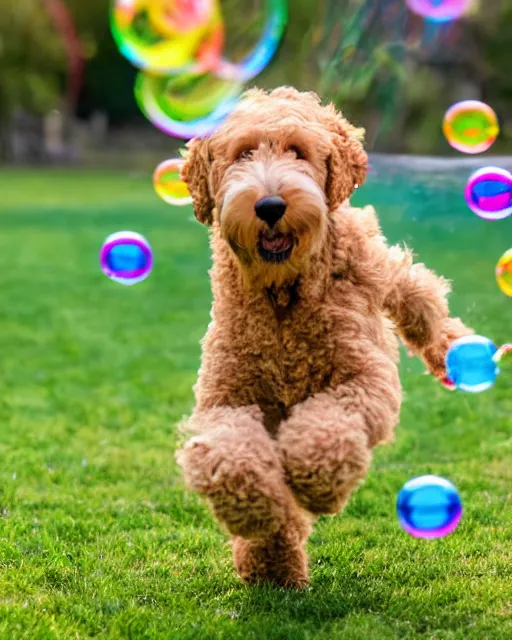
pixel 98 538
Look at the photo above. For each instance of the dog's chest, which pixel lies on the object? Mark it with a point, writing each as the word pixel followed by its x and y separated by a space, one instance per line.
pixel 290 358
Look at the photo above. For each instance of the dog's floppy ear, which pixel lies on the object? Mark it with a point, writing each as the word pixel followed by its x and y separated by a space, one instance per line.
pixel 347 164
pixel 196 172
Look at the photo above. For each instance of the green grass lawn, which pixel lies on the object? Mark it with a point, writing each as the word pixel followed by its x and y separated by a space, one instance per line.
pixel 98 538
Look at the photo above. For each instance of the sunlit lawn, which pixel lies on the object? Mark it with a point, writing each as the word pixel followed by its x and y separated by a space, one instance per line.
pixel 98 537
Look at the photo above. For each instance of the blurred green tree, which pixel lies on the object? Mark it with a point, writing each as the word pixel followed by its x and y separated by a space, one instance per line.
pixel 109 78
pixel 32 58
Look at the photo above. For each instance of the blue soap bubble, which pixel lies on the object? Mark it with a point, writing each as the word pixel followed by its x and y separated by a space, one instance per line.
pixel 429 507
pixel 488 193
pixel 471 363
pixel 126 257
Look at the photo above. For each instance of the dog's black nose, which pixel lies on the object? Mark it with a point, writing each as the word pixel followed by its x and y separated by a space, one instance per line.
pixel 270 209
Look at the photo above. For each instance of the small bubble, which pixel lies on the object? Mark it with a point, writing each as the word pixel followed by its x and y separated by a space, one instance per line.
pixel 470 126
pixel 169 185
pixel 126 257
pixel 429 507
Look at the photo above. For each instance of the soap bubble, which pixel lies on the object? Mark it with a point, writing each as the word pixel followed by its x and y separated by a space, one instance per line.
pixel 504 273
pixel 169 37
pixel 471 363
pixel 439 10
pixel 126 257
pixel 489 193
pixel 169 185
pixel 186 107
pixel 187 86
pixel 429 507
pixel 470 126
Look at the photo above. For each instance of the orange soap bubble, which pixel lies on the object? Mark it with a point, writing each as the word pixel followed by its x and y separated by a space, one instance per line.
pixel 504 273
pixel 169 185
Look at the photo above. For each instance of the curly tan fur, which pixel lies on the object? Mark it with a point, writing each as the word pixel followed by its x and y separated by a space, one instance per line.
pixel 298 380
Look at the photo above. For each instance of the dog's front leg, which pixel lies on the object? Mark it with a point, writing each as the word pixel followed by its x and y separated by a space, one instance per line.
pixel 235 465
pixel 326 442
pixel 417 304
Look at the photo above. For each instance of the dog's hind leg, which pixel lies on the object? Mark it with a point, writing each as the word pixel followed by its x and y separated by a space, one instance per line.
pixel 279 559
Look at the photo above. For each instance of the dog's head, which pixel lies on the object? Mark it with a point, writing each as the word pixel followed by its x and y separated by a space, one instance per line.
pixel 270 176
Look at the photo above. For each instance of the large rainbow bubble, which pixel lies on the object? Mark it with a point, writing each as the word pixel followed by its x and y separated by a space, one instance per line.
pixel 186 88
pixel 488 193
pixel 504 273
pixel 429 507
pixel 183 115
pixel 440 10
pixel 471 126
pixel 173 36
pixel 169 36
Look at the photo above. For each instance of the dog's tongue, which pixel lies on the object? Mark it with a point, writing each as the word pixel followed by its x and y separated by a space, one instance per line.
pixel 279 243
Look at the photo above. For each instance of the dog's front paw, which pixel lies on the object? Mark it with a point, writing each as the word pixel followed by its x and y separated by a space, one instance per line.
pixel 243 485
pixel 193 459
pixel 434 355
pixel 324 464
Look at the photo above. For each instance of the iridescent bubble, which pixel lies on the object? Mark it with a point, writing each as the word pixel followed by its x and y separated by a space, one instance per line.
pixel 504 273
pixel 489 193
pixel 167 37
pixel 126 257
pixel 186 106
pixel 471 363
pixel 471 126
pixel 188 87
pixel 169 185
pixel 439 10
pixel 164 36
pixel 429 507
pixel 258 58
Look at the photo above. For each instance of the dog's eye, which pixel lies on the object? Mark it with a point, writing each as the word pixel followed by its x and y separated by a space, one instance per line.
pixel 245 154
pixel 297 151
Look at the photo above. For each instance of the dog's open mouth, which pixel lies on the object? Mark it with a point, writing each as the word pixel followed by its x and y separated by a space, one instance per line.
pixel 276 247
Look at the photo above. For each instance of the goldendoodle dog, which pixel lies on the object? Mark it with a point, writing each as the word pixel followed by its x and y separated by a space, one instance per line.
pixel 298 380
